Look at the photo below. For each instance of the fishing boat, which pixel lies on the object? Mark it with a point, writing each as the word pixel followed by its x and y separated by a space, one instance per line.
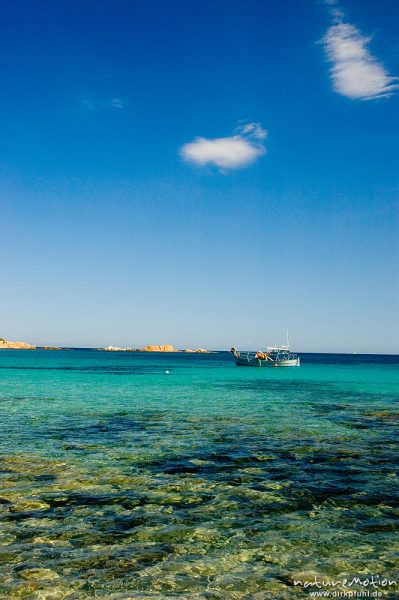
pixel 273 356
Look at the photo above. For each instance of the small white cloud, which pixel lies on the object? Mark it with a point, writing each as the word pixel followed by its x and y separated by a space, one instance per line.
pixel 334 10
pixel 117 103
pixel 355 72
pixel 98 104
pixel 227 153
pixel 254 130
pixel 87 105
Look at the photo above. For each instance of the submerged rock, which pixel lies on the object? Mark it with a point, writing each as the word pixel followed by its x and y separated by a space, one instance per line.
pixel 39 573
pixel 29 505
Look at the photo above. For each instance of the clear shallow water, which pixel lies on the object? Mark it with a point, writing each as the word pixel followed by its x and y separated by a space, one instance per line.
pixel 120 480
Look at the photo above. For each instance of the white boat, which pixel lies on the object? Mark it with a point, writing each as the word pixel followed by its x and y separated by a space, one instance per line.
pixel 273 356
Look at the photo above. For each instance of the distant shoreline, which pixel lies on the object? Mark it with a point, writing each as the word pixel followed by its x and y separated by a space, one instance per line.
pixel 9 345
pixel 167 348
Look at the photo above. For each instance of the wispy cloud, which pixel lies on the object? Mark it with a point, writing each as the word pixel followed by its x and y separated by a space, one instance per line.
pixel 87 105
pixel 234 152
pixel 117 103
pixel 335 11
pixel 355 72
pixel 92 104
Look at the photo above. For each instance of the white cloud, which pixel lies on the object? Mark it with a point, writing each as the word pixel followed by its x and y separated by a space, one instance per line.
pixel 237 151
pixel 117 103
pixel 254 130
pixel 355 72
pixel 97 104
pixel 87 105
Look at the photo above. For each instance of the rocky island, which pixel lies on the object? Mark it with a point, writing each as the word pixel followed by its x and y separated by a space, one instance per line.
pixel 153 348
pixel 198 351
pixel 7 345
pixel 51 348
pixel 117 349
pixel 166 348
pixel 170 348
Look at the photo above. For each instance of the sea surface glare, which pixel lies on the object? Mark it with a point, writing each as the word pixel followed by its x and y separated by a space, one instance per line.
pixel 140 475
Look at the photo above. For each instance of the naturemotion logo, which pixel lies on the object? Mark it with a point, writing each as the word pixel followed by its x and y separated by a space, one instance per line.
pixel 373 586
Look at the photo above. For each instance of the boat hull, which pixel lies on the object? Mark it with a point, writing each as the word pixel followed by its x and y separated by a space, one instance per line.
pixel 256 362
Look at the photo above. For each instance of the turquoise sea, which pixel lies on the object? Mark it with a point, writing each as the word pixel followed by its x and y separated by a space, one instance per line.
pixel 130 475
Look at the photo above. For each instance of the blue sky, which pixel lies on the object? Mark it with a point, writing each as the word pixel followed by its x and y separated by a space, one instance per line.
pixel 200 173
